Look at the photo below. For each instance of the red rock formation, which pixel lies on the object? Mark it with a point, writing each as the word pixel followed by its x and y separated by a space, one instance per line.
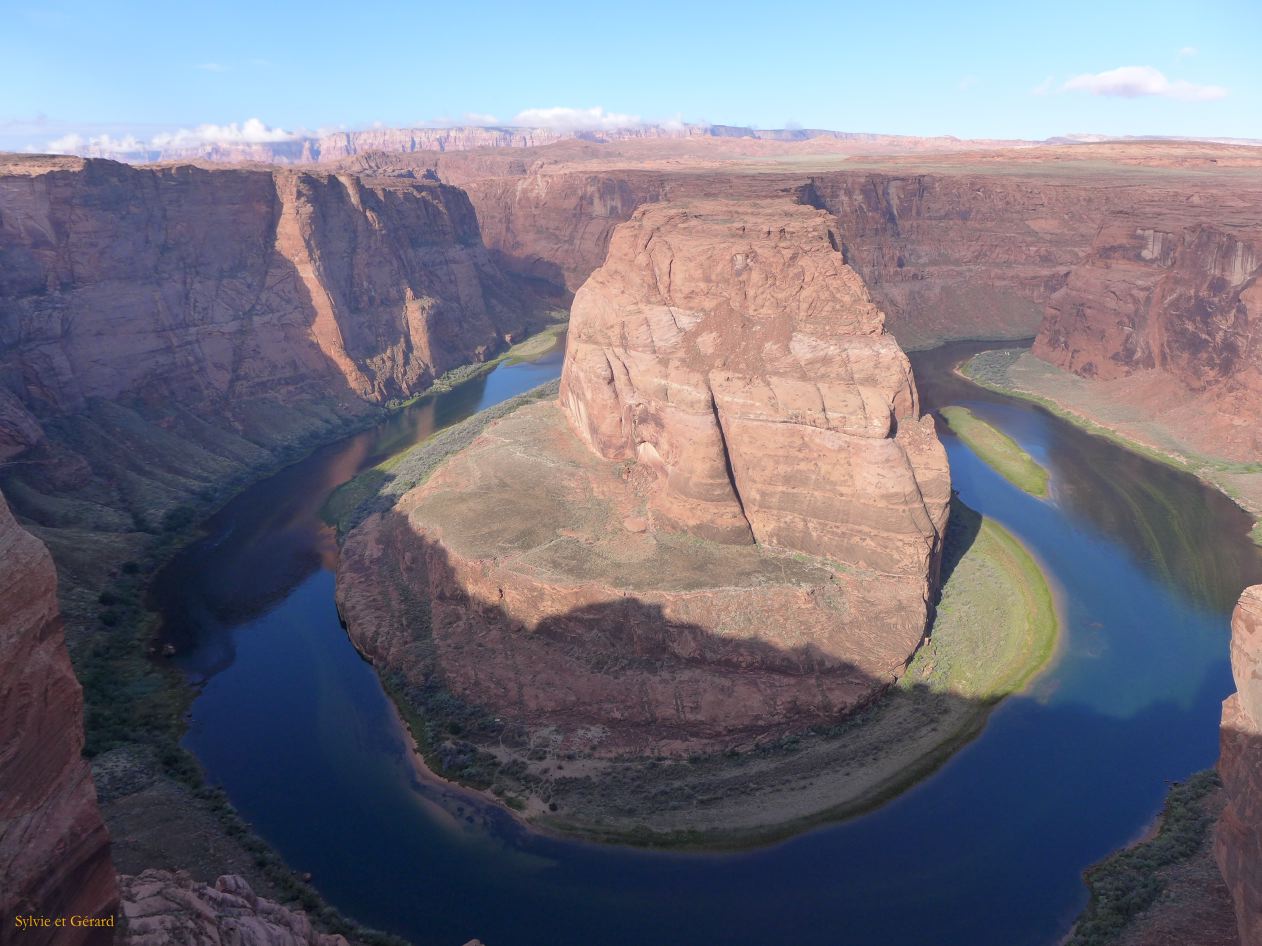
pixel 728 379
pixel 946 255
pixel 958 246
pixel 54 849
pixel 1176 297
pixel 161 908
pixel 209 287
pixel 729 349
pixel 1238 844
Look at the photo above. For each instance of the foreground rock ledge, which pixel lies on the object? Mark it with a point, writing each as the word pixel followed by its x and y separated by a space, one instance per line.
pixel 728 528
pixel 1238 843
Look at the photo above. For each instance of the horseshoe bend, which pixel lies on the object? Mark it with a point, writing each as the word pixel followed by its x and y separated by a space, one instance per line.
pixel 725 530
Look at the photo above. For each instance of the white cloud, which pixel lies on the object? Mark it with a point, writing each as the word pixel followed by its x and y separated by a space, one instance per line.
pixel 1136 81
pixel 1044 87
pixel 66 144
pixel 480 118
pixel 250 132
pixel 1186 52
pixel 211 67
pixel 574 119
pixel 95 146
pixel 126 144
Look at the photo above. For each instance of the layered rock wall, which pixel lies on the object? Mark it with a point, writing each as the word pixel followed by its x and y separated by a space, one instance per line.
pixel 1177 298
pixel 204 287
pixel 945 255
pixel 1238 843
pixel 54 849
pixel 734 353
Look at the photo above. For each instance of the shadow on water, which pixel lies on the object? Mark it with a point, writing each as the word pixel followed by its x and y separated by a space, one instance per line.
pixel 271 538
pixel 989 850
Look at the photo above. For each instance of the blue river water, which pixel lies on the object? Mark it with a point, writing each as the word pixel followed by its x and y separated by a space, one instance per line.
pixel 990 849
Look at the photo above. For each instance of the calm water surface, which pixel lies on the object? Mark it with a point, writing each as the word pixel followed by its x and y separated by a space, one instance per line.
pixel 294 725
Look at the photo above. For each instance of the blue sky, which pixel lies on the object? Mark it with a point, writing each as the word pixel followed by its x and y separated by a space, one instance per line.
pixel 986 69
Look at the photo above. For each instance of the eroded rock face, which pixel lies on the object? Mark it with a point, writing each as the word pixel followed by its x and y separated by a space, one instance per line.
pixel 54 849
pixel 727 528
pixel 161 908
pixel 733 352
pixel 1176 297
pixel 1238 843
pixel 210 287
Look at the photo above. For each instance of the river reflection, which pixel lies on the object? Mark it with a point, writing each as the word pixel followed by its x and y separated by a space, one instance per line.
pixel 989 850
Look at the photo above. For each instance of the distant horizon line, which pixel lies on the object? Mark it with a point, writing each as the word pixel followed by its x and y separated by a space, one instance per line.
pixel 253 137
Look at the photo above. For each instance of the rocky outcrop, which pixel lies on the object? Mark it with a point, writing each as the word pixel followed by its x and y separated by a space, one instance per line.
pixel 54 849
pixel 1174 297
pixel 733 353
pixel 1238 845
pixel 727 528
pixel 161 908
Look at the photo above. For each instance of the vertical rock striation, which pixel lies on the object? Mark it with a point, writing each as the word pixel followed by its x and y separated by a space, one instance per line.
pixel 732 351
pixel 1177 299
pixel 54 849
pixel 207 288
pixel 727 527
pixel 1238 845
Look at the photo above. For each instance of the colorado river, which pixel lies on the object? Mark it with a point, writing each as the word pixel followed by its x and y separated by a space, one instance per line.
pixel 291 722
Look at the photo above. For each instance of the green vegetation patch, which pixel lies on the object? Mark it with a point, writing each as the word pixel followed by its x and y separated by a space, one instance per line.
pixel 999 451
pixel 1130 881
pixel 992 370
pixel 532 348
pixel 996 623
pixel 378 489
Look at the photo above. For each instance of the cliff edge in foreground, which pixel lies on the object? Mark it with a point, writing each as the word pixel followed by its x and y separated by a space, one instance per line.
pixel 1239 840
pixel 54 849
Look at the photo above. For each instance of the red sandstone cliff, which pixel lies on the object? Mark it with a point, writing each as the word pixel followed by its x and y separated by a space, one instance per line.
pixel 957 246
pixel 54 849
pixel 207 288
pixel 955 252
pixel 1238 844
pixel 1177 298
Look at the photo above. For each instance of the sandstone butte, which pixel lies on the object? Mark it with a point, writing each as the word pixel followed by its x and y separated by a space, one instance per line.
pixel 729 525
pixel 54 849
pixel 1238 843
